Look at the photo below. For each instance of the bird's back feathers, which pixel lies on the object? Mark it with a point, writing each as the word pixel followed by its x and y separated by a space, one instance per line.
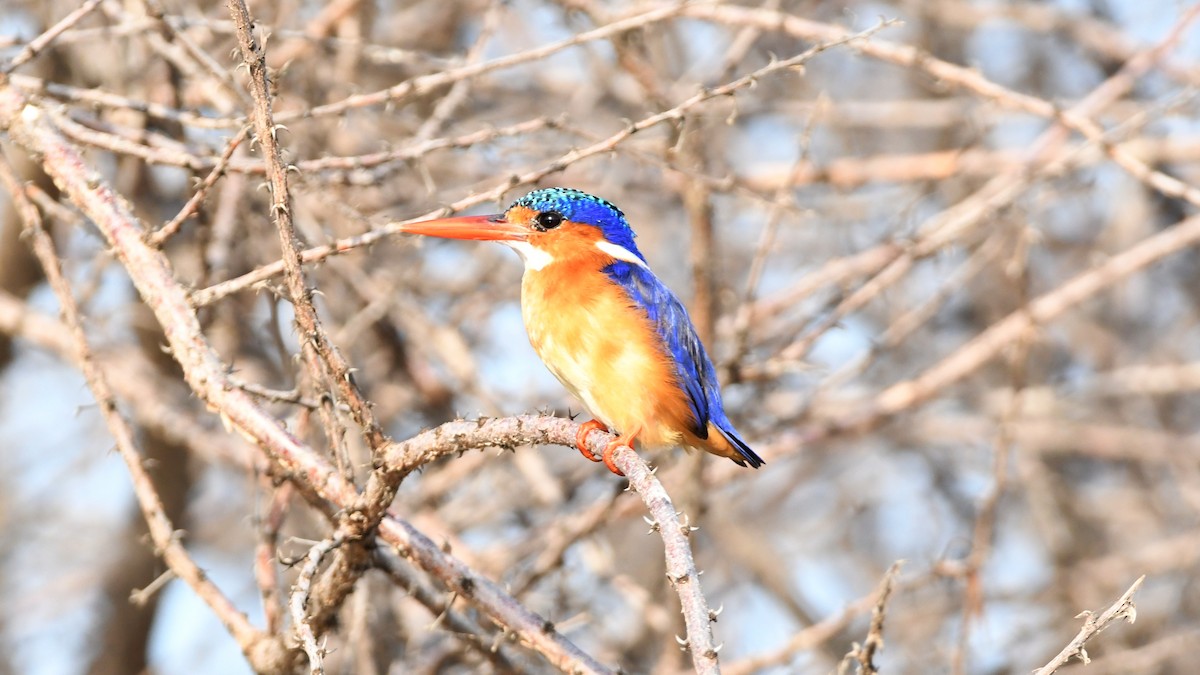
pixel 694 370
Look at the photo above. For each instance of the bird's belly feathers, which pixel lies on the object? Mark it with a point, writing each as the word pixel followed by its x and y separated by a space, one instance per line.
pixel 606 352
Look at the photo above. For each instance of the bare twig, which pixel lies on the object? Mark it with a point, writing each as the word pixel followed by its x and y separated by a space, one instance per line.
pixel 39 43
pixel 459 623
pixel 263 651
pixel 455 437
pixel 266 574
pixel 1042 310
pixel 873 261
pixel 321 356
pixel 426 83
pixel 224 289
pixel 208 378
pixel 681 568
pixel 808 638
pixel 190 209
pixel 298 603
pixel 972 80
pixel 864 655
pixel 314 342
pixel 1122 609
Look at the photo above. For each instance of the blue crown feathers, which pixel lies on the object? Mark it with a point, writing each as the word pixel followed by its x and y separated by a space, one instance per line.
pixel 580 207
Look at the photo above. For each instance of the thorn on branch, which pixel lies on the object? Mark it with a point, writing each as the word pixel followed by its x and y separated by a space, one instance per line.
pixel 467 584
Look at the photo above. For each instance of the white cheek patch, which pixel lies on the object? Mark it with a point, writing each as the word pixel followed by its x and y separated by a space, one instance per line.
pixel 534 257
pixel 619 252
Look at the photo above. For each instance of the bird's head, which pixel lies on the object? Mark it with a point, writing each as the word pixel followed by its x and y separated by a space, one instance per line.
pixel 546 226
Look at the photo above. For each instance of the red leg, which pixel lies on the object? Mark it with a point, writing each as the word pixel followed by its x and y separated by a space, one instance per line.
pixel 581 437
pixel 609 449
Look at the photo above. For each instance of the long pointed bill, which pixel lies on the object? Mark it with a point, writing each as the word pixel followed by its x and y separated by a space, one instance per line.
pixel 486 228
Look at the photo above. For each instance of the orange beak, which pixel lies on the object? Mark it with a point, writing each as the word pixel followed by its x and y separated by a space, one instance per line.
pixel 485 228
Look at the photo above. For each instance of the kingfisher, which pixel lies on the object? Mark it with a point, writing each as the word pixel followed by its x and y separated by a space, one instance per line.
pixel 611 332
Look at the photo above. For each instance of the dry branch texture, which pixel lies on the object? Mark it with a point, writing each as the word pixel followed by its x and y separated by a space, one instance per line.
pixel 944 254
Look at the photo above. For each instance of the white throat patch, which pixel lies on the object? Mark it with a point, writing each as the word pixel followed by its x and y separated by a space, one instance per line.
pixel 534 257
pixel 619 252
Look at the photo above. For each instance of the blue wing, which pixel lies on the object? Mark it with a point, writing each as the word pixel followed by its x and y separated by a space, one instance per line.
pixel 693 367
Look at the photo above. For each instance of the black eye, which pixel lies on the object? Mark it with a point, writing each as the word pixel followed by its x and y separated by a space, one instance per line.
pixel 547 220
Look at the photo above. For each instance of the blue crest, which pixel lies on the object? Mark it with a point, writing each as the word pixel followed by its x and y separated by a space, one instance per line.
pixel 580 207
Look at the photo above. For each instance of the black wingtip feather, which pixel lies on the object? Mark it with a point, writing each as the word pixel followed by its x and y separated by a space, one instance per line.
pixel 744 450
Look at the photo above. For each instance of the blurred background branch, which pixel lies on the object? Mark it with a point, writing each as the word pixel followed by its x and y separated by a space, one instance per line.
pixel 944 254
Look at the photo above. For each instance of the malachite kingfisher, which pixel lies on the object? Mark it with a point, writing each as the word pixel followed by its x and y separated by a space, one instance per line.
pixel 605 325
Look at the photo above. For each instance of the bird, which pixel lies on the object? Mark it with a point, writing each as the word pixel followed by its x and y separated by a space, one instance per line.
pixel 605 326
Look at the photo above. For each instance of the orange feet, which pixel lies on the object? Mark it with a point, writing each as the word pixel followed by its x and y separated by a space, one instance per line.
pixel 609 449
pixel 607 456
pixel 581 437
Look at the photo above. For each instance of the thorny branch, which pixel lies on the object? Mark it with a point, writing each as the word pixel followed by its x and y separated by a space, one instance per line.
pixel 151 273
pixel 863 655
pixel 224 289
pixel 298 603
pixel 322 357
pixel 456 437
pixel 1121 609
pixel 265 652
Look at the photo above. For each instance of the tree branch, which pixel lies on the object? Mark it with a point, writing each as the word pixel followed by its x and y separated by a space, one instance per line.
pixel 208 377
pixel 1121 609
pixel 265 653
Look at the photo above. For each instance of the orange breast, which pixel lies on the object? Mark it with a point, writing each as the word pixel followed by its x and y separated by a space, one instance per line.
pixel 605 351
